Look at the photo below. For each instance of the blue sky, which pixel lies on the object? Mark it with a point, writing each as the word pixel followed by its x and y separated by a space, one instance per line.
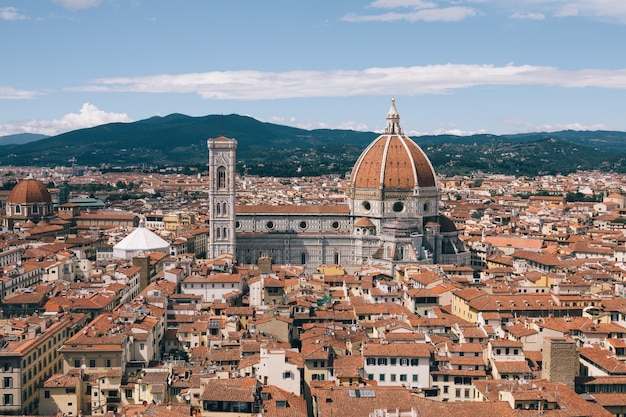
pixel 462 67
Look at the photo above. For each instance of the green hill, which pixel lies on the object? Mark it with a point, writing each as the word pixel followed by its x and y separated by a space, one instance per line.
pixel 271 149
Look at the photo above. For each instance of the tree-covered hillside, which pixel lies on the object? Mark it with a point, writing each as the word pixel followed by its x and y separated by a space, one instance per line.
pixel 271 149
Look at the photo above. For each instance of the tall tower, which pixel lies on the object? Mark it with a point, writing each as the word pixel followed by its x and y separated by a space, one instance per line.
pixel 222 162
pixel 560 360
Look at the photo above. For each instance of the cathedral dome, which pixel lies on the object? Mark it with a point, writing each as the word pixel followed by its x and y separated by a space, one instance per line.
pixel 29 191
pixel 393 161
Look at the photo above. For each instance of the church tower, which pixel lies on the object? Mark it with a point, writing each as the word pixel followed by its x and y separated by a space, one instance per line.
pixel 222 162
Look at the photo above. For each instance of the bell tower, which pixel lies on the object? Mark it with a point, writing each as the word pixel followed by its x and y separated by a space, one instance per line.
pixel 222 162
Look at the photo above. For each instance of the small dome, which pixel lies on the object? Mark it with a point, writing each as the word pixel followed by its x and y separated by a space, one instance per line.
pixel 29 191
pixel 393 161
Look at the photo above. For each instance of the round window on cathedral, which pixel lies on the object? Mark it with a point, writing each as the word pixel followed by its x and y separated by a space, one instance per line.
pixel 237 225
pixel 270 225
pixel 366 206
pixel 398 207
pixel 426 207
pixel 303 225
pixel 335 225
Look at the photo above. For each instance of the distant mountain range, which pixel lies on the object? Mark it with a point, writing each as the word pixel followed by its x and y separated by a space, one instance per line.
pixel 20 138
pixel 271 149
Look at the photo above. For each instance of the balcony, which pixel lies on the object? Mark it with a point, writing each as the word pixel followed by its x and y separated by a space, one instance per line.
pixel 114 400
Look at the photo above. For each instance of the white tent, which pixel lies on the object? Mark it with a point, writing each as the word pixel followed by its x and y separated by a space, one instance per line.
pixel 140 241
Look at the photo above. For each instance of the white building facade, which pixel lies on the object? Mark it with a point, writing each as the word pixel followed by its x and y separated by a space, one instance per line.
pixel 275 369
pixel 398 364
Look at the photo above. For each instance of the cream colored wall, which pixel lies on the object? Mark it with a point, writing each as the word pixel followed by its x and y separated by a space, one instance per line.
pixel 60 401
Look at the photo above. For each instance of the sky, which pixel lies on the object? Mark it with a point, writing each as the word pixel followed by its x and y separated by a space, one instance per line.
pixel 458 66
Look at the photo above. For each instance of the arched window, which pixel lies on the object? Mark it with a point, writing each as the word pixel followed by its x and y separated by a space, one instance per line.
pixel 224 210
pixel 18 209
pixel 219 209
pixel 217 232
pixel 303 258
pixel 221 178
pixel 225 233
pixel 336 258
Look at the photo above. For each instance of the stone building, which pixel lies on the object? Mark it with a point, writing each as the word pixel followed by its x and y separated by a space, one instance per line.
pixel 560 360
pixel 29 201
pixel 391 216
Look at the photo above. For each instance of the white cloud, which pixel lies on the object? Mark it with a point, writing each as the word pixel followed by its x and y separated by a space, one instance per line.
pixel 9 93
pixel 77 4
pixel 609 10
pixel 88 116
pixel 10 13
pixel 351 125
pixel 391 4
pixel 418 10
pixel 452 131
pixel 430 79
pixel 528 16
pixel 570 126
pixel 448 14
pixel 275 120
pixel 292 121
pixel 597 8
pixel 526 127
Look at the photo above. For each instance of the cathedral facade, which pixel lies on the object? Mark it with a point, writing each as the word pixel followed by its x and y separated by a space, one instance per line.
pixel 391 217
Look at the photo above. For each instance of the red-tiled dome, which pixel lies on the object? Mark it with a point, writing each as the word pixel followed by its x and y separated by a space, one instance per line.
pixel 393 161
pixel 29 191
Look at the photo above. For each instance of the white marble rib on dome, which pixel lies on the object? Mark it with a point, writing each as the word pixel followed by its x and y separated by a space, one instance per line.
pixel 141 240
